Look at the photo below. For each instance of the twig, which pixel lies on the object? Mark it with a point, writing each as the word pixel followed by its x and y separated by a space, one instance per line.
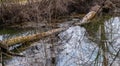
pixel 115 57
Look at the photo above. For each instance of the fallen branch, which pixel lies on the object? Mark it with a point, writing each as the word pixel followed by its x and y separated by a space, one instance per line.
pixel 86 19
pixel 6 43
pixel 22 39
pixel 93 12
pixel 33 37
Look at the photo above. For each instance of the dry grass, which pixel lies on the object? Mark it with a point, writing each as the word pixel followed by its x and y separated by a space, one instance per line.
pixel 31 11
pixel 39 10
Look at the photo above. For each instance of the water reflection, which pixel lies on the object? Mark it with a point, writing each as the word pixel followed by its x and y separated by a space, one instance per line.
pixel 76 47
pixel 112 29
pixel 81 51
pixel 9 33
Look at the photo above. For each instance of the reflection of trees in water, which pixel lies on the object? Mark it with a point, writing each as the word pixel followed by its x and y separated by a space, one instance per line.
pixel 77 48
pixel 112 28
pixel 108 51
pixel 97 45
pixel 104 52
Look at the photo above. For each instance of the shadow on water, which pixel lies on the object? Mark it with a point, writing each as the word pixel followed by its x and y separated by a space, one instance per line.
pixel 93 44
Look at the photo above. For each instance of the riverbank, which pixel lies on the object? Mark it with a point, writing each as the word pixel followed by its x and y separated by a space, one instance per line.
pixel 43 11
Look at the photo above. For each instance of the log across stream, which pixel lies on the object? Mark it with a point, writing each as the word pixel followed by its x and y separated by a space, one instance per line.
pixel 22 39
pixel 76 42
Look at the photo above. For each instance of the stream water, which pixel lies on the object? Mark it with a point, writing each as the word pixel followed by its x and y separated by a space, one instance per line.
pixel 96 44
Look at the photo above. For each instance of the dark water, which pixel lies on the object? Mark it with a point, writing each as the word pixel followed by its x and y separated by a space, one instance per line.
pixel 94 44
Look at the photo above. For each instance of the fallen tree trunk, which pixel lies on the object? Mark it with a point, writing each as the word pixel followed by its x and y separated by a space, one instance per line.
pixel 23 39
pixel 33 37
pixel 87 17
pixel 4 45
pixel 94 10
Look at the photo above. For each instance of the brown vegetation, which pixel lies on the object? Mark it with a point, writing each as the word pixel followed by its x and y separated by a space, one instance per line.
pixel 31 11
pixel 15 12
pixel 40 10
